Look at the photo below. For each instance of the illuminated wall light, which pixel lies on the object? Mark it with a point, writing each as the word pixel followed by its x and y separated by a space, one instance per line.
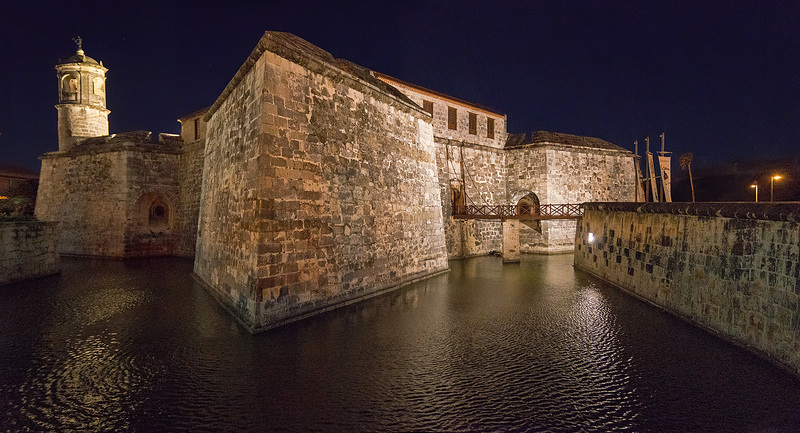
pixel 591 237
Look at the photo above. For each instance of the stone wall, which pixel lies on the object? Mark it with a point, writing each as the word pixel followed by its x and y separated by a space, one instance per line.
pixel 152 180
pixel 102 193
pixel 82 193
pixel 193 130
pixel 484 178
pixel 730 268
pixel 28 250
pixel 320 187
pixel 76 122
pixel 557 173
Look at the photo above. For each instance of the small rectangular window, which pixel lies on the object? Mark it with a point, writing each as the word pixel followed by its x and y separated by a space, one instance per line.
pixel 489 127
pixel 452 120
pixel 196 129
pixel 473 123
pixel 427 106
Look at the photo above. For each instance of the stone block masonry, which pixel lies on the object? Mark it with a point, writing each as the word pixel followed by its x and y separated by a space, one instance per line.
pixel 733 268
pixel 320 187
pixel 561 173
pixel 28 250
pixel 114 196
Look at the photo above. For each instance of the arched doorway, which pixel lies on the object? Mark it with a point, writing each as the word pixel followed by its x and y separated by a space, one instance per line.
pixel 529 205
pixel 158 218
pixel 153 214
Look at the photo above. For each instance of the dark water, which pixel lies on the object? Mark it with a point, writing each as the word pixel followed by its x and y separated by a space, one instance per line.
pixel 116 346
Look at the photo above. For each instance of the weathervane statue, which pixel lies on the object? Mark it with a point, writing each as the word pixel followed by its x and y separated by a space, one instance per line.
pixel 78 41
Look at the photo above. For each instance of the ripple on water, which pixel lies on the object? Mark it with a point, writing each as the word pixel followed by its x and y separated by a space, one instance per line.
pixel 484 348
pixel 96 385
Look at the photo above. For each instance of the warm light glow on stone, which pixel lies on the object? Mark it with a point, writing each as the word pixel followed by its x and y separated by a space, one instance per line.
pixel 591 237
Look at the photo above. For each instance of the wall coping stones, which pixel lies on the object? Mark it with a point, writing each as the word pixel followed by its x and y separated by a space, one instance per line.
pixel 569 147
pixel 141 141
pixel 302 52
pixel 770 211
pixel 539 138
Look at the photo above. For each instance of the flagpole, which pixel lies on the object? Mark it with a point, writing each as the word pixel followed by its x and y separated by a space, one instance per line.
pixel 663 187
pixel 649 176
pixel 636 172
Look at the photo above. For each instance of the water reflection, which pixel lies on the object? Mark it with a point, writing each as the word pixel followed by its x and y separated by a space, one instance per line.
pixel 114 346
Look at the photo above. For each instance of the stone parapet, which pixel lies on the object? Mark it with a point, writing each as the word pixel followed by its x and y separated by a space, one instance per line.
pixel 770 211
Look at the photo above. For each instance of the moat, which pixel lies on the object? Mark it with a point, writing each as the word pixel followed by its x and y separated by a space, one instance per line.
pixel 537 346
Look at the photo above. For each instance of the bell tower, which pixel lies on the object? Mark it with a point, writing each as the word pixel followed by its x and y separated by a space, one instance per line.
pixel 81 105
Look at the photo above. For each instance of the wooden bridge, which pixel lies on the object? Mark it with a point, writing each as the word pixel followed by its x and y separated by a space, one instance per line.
pixel 519 212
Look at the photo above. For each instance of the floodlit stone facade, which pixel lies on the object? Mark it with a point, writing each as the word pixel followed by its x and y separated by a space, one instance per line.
pixel 311 182
pixel 481 164
pixel 320 187
pixel 113 196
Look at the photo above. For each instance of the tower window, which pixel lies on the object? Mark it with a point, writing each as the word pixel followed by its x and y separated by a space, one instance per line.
pixel 489 127
pixel 473 123
pixel 69 88
pixel 196 129
pixel 452 119
pixel 98 86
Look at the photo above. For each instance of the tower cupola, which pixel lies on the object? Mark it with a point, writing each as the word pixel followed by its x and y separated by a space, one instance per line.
pixel 81 105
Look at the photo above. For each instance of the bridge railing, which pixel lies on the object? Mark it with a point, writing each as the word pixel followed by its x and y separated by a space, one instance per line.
pixel 520 212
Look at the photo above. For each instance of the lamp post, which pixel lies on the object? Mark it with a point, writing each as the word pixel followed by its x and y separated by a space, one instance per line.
pixel 755 185
pixel 772 187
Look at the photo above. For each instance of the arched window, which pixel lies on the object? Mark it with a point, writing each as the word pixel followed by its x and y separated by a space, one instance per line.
pixel 98 87
pixel 69 88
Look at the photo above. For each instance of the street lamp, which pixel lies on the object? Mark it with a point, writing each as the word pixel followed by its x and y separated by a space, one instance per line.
pixel 755 185
pixel 772 186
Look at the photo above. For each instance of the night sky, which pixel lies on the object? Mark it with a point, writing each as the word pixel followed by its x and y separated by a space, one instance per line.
pixel 720 78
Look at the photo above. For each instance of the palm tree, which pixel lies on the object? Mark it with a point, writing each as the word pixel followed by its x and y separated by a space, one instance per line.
pixel 686 164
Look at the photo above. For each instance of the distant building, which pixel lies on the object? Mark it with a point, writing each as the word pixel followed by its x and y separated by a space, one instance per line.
pixel 311 182
pixel 16 180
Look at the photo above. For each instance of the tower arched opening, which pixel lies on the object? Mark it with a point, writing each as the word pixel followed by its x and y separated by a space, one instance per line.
pixel 69 88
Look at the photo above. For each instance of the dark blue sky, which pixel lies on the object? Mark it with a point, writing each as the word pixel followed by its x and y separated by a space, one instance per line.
pixel 721 78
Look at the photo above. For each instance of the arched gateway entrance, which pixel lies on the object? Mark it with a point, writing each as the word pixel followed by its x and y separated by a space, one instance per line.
pixel 529 205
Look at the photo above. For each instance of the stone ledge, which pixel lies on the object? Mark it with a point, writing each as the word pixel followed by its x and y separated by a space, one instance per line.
pixel 771 211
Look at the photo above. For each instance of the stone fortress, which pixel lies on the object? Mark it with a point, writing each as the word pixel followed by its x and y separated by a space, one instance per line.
pixel 310 183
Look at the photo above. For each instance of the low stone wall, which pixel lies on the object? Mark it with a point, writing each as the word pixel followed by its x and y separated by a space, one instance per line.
pixel 731 268
pixel 27 250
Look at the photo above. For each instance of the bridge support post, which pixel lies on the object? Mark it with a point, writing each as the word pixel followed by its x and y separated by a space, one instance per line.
pixel 511 252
